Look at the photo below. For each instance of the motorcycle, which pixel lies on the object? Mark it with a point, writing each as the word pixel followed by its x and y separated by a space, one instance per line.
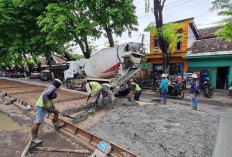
pixel 207 88
pixel 175 89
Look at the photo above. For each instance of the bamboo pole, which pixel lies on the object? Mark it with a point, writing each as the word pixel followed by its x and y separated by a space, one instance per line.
pixel 25 151
pixel 49 149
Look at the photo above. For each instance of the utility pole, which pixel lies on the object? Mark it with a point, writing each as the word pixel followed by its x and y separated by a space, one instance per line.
pixel 142 38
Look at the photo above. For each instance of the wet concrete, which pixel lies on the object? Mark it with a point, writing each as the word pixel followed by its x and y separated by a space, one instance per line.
pixel 157 130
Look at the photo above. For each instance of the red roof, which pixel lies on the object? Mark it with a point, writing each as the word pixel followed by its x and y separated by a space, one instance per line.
pixel 59 59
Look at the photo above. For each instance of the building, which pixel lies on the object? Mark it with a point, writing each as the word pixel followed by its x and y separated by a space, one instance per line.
pixel 208 53
pixel 177 63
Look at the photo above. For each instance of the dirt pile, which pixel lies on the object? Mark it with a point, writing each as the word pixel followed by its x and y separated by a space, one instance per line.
pixel 163 131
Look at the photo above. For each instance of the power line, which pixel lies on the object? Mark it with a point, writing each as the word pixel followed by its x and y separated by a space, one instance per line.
pixel 170 4
pixel 179 4
pixel 165 9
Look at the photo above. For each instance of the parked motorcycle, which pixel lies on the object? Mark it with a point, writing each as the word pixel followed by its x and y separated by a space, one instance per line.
pixel 207 88
pixel 175 89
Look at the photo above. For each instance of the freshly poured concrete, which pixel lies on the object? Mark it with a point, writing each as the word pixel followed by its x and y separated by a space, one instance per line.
pixel 157 130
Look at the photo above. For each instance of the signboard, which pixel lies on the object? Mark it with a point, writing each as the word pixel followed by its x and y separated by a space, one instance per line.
pixel 146 66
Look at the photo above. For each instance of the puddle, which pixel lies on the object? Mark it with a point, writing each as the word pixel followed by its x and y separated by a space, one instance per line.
pixel 8 124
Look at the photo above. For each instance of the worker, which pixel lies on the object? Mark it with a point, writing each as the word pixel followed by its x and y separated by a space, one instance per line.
pixel 94 90
pixel 178 79
pixel 194 91
pixel 136 90
pixel 44 105
pixel 106 90
pixel 164 88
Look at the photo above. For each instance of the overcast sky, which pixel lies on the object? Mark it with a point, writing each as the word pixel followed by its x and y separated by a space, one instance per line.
pixel 174 10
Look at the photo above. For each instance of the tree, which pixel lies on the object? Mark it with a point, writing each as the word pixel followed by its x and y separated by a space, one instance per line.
pixel 65 22
pixel 20 34
pixel 225 9
pixel 114 17
pixel 168 35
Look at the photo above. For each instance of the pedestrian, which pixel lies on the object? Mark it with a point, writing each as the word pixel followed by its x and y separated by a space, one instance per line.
pixel 135 90
pixel 164 88
pixel 106 90
pixel 44 105
pixel 194 92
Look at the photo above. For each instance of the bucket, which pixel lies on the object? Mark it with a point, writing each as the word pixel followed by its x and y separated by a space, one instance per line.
pixel 104 147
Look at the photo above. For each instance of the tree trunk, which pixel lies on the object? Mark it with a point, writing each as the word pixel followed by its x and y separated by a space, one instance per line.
pixel 109 36
pixel 24 71
pixel 39 67
pixel 158 13
pixel 87 52
pixel 83 48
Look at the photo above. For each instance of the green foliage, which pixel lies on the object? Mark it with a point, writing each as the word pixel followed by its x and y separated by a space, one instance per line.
pixel 20 34
pixel 73 57
pixel 113 16
pixel 38 28
pixel 224 8
pixel 169 32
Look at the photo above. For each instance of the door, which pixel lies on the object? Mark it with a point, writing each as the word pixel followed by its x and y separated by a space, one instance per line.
pixel 222 77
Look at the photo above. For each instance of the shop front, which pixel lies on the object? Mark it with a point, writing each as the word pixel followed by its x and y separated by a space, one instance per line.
pixel 218 65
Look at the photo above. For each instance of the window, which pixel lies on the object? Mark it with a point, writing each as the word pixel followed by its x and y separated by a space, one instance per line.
pixel 178 47
pixel 156 45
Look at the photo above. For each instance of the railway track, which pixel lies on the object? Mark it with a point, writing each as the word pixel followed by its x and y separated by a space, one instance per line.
pixel 86 138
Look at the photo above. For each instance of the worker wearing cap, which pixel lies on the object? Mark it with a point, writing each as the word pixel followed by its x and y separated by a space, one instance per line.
pixel 194 91
pixel 136 90
pixel 44 105
pixel 106 90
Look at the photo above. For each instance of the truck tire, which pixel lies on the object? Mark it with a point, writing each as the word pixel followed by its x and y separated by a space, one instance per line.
pixel 69 84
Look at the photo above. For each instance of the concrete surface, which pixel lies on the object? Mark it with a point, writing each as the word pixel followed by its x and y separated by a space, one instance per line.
pixel 223 146
pixel 159 130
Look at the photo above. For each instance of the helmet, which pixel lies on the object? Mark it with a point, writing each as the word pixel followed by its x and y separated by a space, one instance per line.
pixel 207 79
pixel 56 83
pixel 178 73
pixel 194 76
pixel 163 75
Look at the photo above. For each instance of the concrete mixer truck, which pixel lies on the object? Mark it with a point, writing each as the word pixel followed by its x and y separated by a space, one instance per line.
pixel 114 65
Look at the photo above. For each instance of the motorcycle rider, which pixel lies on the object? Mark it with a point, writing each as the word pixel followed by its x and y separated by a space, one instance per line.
pixel 207 84
pixel 178 79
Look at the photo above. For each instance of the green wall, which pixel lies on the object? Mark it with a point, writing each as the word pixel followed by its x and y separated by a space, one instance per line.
pixel 210 63
pixel 212 73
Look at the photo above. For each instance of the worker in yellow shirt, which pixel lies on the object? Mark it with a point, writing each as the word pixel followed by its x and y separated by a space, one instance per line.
pixel 135 89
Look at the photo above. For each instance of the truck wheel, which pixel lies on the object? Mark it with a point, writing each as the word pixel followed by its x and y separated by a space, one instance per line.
pixel 69 84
